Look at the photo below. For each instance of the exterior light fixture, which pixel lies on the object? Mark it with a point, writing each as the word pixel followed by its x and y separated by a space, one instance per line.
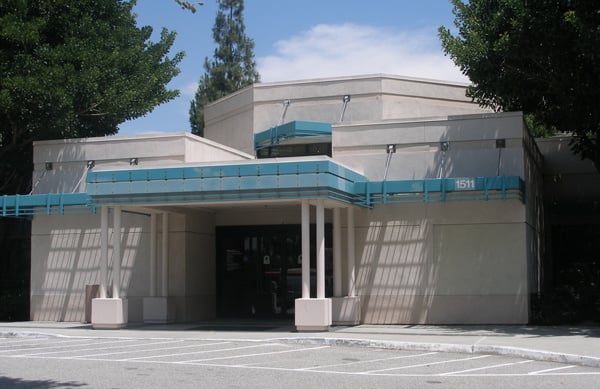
pixel 444 146
pixel 90 164
pixel 500 143
pixel 48 166
pixel 133 161
pixel 390 149
pixel 346 98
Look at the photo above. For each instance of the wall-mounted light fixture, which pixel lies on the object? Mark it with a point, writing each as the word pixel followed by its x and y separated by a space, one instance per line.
pixel 48 166
pixel 444 146
pixel 90 164
pixel 133 161
pixel 500 143
pixel 390 148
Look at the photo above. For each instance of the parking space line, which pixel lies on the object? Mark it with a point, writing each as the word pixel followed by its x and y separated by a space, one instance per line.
pixel 12 341
pixel 60 345
pixel 252 355
pixel 367 361
pixel 195 352
pixel 485 367
pixel 549 370
pixel 425 364
pixel 112 347
pixel 149 350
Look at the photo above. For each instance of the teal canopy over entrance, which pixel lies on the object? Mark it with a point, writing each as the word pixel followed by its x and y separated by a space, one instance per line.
pixel 248 181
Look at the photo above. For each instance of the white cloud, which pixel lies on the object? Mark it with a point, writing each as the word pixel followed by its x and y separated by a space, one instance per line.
pixel 189 90
pixel 350 49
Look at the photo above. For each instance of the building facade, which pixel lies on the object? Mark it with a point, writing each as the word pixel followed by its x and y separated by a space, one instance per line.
pixel 373 199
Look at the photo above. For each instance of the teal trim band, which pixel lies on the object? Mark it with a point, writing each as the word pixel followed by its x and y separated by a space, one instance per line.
pixel 291 130
pixel 45 204
pixel 441 190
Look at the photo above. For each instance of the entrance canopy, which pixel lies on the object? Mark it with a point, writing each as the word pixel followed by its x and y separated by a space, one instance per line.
pixel 248 181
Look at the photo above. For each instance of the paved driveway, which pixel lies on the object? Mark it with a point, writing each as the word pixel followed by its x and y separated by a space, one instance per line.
pixel 49 362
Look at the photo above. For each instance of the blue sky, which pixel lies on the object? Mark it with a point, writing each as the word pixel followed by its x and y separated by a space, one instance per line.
pixel 304 39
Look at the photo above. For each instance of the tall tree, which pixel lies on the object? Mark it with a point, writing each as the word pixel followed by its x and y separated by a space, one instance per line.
pixel 232 66
pixel 73 69
pixel 68 68
pixel 541 57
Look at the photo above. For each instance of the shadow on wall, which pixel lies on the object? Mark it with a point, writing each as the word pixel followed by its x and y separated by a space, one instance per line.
pixel 65 260
pixel 442 274
pixel 60 168
pixel 395 278
pixel 468 148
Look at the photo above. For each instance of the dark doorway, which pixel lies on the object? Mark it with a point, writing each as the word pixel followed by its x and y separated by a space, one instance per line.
pixel 259 270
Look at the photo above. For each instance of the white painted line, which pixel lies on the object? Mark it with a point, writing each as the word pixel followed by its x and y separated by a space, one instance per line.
pixel 61 345
pixel 195 352
pixel 253 355
pixel 485 367
pixel 9 342
pixel 549 370
pixel 148 350
pixel 424 364
pixel 108 348
pixel 367 361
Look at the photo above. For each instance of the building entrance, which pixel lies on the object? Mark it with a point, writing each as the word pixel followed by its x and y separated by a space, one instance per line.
pixel 259 270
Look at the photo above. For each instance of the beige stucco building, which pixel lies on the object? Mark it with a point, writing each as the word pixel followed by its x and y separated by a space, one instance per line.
pixel 372 199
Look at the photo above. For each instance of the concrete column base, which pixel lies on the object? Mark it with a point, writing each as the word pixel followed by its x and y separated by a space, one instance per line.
pixel 345 310
pixel 159 310
pixel 313 314
pixel 109 313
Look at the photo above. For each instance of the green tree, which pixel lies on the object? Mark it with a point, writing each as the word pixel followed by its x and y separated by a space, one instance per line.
pixel 73 69
pixel 68 68
pixel 232 67
pixel 540 57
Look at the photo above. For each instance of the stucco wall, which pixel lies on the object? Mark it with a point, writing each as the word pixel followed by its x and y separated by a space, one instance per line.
pixel 443 263
pixel 471 140
pixel 234 119
pixel 65 257
pixel 69 157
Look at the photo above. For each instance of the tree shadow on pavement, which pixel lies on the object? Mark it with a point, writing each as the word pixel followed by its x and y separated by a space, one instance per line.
pixel 18 383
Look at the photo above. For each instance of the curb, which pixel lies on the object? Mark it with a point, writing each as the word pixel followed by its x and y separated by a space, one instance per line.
pixel 536 355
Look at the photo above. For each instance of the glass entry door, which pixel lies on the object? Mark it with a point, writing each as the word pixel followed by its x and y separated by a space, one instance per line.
pixel 259 270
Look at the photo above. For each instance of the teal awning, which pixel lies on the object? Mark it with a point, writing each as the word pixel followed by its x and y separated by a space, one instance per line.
pixel 248 181
pixel 292 130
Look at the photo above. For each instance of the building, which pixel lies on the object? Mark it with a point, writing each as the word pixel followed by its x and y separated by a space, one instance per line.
pixel 372 199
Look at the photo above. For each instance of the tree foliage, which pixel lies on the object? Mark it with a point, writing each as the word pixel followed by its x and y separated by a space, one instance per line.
pixel 541 57
pixel 232 66
pixel 73 69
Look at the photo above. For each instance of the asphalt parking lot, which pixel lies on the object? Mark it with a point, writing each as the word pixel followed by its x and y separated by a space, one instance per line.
pixel 49 362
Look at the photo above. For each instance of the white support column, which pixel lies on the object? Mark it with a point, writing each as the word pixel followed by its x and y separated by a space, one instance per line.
pixel 337 253
pixel 153 229
pixel 103 252
pixel 116 289
pixel 165 254
pixel 351 257
pixel 346 310
pixel 110 312
pixel 305 217
pixel 159 307
pixel 313 314
pixel 320 249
